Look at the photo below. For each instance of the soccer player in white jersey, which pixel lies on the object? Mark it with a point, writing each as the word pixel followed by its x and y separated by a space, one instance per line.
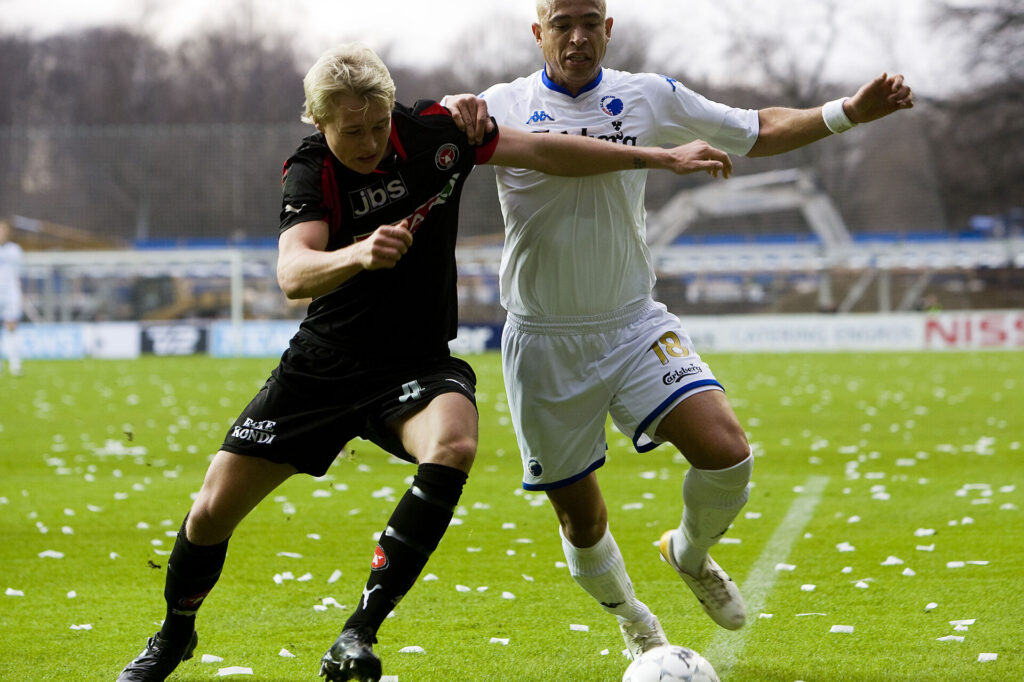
pixel 584 338
pixel 10 297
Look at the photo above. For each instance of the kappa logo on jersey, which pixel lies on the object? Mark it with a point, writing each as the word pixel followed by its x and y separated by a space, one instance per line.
pixel 379 561
pixel 259 432
pixel 446 156
pixel 376 196
pixel 540 117
pixel 612 105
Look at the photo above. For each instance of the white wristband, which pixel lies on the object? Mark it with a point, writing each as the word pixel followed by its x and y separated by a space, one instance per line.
pixel 835 117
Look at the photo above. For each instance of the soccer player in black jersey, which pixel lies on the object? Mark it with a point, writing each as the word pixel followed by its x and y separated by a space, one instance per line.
pixel 368 225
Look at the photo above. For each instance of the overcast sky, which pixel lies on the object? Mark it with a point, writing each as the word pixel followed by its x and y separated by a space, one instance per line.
pixel 876 35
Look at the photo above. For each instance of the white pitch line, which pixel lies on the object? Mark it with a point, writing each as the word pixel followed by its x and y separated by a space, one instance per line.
pixel 727 645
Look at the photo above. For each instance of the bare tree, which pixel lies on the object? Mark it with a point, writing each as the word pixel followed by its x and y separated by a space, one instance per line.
pixel 979 133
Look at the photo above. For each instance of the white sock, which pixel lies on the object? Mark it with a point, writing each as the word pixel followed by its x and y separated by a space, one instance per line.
pixel 711 501
pixel 601 571
pixel 12 350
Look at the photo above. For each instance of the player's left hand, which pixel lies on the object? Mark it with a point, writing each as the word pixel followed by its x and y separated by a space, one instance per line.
pixel 470 115
pixel 880 97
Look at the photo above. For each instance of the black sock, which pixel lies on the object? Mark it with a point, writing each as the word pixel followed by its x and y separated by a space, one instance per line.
pixel 192 571
pixel 412 534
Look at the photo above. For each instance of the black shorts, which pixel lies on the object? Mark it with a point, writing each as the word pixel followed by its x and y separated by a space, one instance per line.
pixel 318 399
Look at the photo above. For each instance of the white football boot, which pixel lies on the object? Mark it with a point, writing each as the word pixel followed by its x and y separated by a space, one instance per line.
pixel 642 635
pixel 714 588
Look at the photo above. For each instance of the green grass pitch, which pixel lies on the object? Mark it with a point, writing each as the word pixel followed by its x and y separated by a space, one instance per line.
pixel 887 499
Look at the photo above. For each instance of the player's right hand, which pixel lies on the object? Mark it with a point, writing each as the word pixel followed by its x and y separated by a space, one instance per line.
pixel 699 156
pixel 470 115
pixel 385 247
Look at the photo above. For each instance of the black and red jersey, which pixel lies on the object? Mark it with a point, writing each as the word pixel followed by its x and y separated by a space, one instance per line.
pixel 409 311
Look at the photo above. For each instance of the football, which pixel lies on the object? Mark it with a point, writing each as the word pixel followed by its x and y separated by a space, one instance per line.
pixel 670 664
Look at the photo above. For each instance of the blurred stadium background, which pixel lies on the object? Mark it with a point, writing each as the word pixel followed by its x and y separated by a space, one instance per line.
pixel 143 181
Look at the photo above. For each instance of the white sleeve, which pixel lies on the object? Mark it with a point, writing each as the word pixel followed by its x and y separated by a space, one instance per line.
pixel 685 116
pixel 499 100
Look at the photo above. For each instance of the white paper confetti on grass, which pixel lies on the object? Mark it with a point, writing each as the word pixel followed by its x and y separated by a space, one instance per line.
pixel 84 626
pixel 284 653
pixel 429 577
pixel 234 670
pixel 983 658
pixel 931 606
pixel 846 547
pixel 462 588
pixel 765 616
pixel 412 650
pixel 290 555
pixel 576 627
pixel 843 629
pixel 72 594
pixel 963 622
pixel 892 561
pixel 808 588
pixel 500 640
pixel 924 532
pixel 784 567
pixel 909 572
pixel 11 592
pixel 334 577
pixel 950 638
pixel 861 584
pixel 51 554
pixel 507 595
pixel 210 658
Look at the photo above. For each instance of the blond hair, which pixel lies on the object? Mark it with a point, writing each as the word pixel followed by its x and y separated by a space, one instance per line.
pixel 345 70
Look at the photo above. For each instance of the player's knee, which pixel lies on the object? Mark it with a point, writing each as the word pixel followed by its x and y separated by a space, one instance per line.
pixel 205 526
pixel 458 452
pixel 733 451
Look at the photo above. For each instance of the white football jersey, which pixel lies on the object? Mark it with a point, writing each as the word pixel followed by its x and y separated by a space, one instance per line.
pixel 577 246
pixel 10 269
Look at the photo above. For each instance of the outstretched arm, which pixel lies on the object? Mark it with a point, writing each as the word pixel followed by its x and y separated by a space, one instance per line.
pixel 558 154
pixel 782 130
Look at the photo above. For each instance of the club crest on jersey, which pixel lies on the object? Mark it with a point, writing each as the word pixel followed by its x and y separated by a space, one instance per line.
pixel 612 105
pixel 379 561
pixel 534 466
pixel 447 155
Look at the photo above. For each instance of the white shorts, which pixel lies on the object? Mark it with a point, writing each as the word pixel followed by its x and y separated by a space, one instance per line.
pixel 564 376
pixel 10 306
